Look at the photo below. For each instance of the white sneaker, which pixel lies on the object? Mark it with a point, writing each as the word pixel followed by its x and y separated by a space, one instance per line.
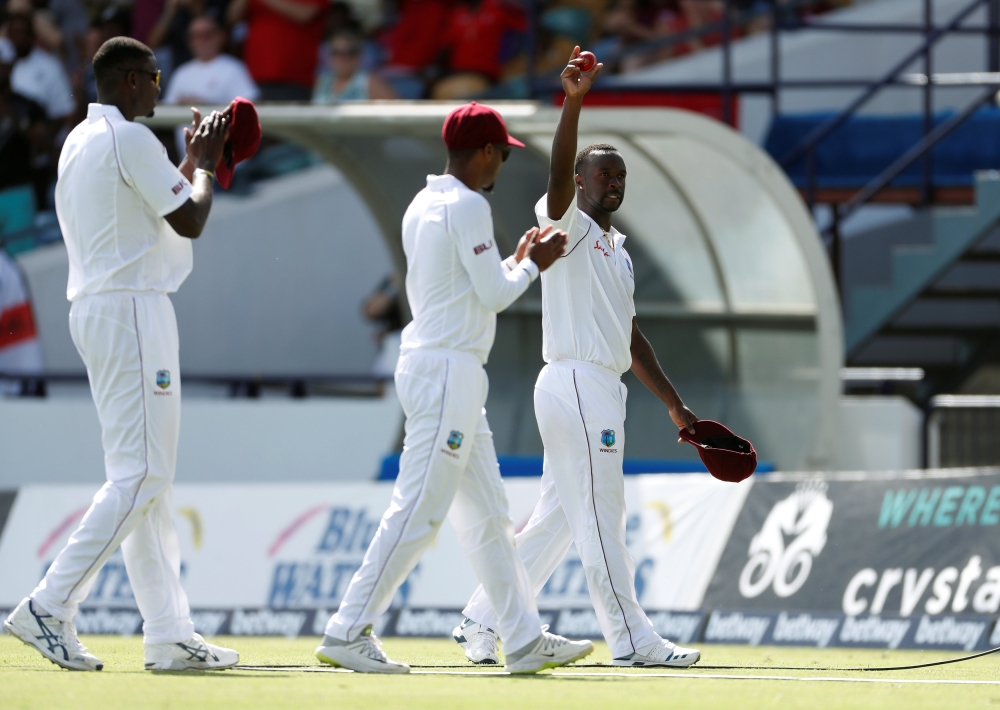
pixel 54 639
pixel 480 642
pixel 663 653
pixel 548 651
pixel 364 654
pixel 195 654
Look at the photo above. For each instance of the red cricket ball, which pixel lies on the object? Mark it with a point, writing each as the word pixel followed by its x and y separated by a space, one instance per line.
pixel 589 61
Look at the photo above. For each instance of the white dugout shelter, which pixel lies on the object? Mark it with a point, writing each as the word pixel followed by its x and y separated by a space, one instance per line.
pixel 733 286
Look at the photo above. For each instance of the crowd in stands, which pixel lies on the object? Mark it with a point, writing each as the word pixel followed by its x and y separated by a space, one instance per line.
pixel 323 51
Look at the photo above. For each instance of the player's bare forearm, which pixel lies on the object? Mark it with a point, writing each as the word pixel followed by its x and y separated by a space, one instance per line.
pixel 647 368
pixel 187 168
pixel 562 187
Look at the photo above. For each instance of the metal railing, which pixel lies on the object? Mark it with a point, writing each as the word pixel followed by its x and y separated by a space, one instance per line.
pixel 782 19
pixel 962 431
pixel 234 386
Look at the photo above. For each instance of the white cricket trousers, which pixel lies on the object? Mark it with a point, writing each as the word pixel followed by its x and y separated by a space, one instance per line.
pixel 448 461
pixel 583 500
pixel 128 342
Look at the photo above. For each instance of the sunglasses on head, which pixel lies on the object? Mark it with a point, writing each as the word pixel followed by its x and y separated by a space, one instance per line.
pixel 155 74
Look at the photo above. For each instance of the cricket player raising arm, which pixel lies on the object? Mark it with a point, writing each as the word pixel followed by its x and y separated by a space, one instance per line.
pixel 590 337
pixel 128 216
pixel 455 283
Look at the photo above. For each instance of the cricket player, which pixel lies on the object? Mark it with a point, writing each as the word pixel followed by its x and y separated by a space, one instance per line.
pixel 455 283
pixel 128 216
pixel 590 337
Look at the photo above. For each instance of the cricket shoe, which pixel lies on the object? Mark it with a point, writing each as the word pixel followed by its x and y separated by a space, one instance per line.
pixel 363 655
pixel 54 639
pixel 547 651
pixel 661 653
pixel 195 654
pixel 480 642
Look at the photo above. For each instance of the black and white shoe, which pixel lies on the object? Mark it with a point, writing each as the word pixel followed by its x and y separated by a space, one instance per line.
pixel 195 654
pixel 480 643
pixel 54 639
pixel 663 653
pixel 363 655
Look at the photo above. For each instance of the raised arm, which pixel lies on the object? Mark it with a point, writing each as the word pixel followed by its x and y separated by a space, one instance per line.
pixel 647 368
pixel 562 186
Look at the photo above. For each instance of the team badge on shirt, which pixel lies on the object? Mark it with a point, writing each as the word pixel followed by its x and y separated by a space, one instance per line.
pixel 608 437
pixel 455 440
pixel 163 379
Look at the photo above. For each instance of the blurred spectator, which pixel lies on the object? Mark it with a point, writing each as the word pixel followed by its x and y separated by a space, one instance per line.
pixel 383 309
pixel 474 39
pixel 112 22
pixel 47 34
pixel 282 44
pixel 37 74
pixel 341 78
pixel 211 77
pixel 16 116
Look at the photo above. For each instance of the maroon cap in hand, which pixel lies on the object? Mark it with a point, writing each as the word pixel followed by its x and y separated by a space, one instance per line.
pixel 244 138
pixel 726 456
pixel 473 126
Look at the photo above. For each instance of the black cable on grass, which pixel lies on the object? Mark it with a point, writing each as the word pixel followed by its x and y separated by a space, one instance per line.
pixel 915 666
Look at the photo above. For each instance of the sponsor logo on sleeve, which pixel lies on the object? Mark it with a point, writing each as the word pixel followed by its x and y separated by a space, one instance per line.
pixel 479 249
pixel 176 189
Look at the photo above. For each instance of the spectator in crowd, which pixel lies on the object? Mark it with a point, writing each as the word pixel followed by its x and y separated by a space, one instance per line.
pixel 474 41
pixel 282 44
pixel 113 21
pixel 37 74
pixel 211 77
pixel 16 116
pixel 60 26
pixel 413 44
pixel 341 78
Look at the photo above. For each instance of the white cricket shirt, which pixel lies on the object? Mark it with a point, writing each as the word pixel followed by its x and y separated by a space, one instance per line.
pixel 587 294
pixel 115 186
pixel 455 281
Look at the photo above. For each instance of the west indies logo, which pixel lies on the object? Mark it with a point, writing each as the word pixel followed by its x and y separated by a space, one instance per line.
pixel 455 440
pixel 608 440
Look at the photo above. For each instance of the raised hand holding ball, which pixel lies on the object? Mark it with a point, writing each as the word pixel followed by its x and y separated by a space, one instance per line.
pixel 589 61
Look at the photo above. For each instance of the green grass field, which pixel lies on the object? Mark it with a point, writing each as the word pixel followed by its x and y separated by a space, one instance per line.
pixel 29 681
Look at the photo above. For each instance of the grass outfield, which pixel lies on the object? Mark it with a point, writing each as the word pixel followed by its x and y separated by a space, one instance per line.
pixel 29 681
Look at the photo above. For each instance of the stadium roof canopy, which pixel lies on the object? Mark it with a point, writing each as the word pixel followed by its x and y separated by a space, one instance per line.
pixel 733 286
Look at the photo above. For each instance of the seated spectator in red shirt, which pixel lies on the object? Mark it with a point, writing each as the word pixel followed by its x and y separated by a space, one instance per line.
pixel 474 40
pixel 415 41
pixel 282 45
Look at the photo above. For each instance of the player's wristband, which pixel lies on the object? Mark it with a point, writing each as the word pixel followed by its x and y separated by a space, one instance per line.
pixel 532 268
pixel 207 172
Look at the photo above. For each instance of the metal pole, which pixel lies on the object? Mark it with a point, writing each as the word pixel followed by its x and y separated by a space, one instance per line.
pixel 775 60
pixel 529 68
pixel 835 248
pixel 993 41
pixel 727 67
pixel 928 167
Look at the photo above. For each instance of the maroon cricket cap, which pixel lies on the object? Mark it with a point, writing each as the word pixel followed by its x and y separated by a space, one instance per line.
pixel 473 126
pixel 726 456
pixel 244 137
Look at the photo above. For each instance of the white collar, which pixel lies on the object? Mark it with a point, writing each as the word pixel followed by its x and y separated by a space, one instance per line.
pixel 96 111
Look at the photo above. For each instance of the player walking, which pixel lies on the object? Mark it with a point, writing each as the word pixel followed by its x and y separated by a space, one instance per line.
pixel 455 283
pixel 590 337
pixel 123 209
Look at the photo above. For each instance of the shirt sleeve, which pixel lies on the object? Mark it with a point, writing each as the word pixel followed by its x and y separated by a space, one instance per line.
pixel 567 222
pixel 471 224
pixel 147 169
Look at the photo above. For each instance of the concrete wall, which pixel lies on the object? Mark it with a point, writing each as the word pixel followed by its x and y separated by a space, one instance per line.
pixel 279 278
pixel 879 434
pixel 58 440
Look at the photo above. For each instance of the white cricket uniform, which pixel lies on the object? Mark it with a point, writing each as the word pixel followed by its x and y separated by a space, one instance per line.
pixel 455 284
pixel 115 186
pixel 587 312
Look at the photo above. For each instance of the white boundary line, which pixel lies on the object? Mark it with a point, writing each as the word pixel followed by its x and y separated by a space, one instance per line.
pixel 683 676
